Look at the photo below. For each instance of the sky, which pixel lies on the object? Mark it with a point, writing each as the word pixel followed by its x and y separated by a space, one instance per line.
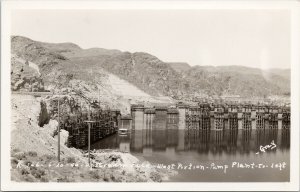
pixel 253 38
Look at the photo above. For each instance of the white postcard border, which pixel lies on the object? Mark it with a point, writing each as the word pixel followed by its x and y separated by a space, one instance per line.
pixel 8 6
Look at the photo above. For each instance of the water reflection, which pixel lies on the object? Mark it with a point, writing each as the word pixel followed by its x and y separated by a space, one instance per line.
pixel 163 141
pixel 203 142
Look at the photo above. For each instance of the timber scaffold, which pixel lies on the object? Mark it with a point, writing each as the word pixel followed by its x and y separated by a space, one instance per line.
pixel 105 123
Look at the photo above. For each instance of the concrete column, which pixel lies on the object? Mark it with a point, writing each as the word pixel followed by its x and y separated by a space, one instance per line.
pixel 226 121
pixel 240 123
pixel 133 117
pixel 253 119
pixel 145 121
pixel 181 138
pixel 118 119
pixel 130 124
pixel 151 121
pixel 138 118
pixel 267 121
pixel 279 121
pixel 212 121
pixel 182 113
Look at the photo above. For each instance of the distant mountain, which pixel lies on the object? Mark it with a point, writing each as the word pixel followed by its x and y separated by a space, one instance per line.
pixel 237 80
pixel 91 52
pixel 179 66
pixel 286 73
pixel 60 63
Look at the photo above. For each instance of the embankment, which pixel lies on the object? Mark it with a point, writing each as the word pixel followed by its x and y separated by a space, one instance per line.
pixel 32 145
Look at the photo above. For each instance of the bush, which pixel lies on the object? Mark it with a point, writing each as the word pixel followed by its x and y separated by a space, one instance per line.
pixel 71 160
pixel 27 163
pixel 12 152
pixel 49 157
pixel 38 173
pixel 14 162
pixel 113 178
pixel 32 153
pixel 106 179
pixel 94 174
pixel 24 171
pixel 28 178
pixel 63 179
pixel 20 155
pixel 44 179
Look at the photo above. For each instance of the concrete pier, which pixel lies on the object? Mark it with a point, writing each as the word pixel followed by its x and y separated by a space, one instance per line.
pixel 137 112
pixel 253 118
pixel 240 118
pixel 182 109
pixel 148 118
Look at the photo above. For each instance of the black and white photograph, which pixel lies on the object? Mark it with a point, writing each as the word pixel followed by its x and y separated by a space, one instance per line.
pixel 193 95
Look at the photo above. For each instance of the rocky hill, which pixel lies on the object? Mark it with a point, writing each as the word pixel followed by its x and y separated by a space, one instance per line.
pixel 237 80
pixel 66 65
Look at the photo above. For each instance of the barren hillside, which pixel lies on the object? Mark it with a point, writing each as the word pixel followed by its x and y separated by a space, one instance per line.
pixel 63 64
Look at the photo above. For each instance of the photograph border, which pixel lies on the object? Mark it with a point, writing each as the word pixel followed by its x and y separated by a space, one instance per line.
pixel 8 6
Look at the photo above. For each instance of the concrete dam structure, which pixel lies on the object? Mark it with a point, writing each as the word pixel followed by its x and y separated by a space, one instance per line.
pixel 206 116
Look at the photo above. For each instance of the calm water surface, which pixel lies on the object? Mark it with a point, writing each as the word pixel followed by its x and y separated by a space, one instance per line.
pixel 167 146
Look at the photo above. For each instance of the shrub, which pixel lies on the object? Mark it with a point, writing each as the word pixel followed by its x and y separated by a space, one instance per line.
pixel 20 155
pixel 32 153
pixel 113 178
pixel 24 171
pixel 27 163
pixel 28 178
pixel 71 160
pixel 38 173
pixel 49 157
pixel 63 179
pixel 105 178
pixel 14 162
pixel 44 179
pixel 94 174
pixel 13 151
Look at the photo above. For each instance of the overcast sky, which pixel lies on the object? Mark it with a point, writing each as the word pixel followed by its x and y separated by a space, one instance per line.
pixel 254 38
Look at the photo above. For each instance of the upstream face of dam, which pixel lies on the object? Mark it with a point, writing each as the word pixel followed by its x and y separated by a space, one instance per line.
pixel 210 117
pixel 208 135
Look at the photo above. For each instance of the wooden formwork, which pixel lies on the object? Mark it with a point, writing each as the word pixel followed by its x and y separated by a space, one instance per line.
pixel 104 125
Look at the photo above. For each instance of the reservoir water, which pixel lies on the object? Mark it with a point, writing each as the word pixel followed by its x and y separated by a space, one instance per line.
pixel 266 151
